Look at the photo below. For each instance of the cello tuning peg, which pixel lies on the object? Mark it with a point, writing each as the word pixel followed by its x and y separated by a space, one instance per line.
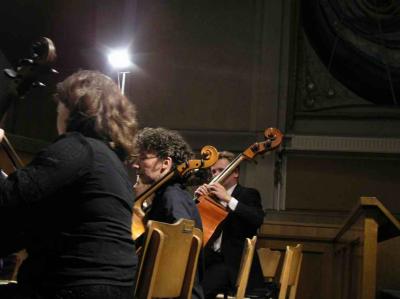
pixel 10 73
pixel 54 71
pixel 26 61
pixel 38 84
pixel 36 45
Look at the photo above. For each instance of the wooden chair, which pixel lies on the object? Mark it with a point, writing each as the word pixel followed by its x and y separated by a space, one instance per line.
pixel 244 270
pixel 269 261
pixel 169 260
pixel 13 263
pixel 290 272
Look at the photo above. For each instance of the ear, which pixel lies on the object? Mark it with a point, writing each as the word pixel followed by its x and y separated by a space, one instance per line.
pixel 166 165
pixel 235 173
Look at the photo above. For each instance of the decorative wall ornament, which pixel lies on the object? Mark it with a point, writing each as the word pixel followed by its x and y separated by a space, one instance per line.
pixel 358 41
pixel 317 89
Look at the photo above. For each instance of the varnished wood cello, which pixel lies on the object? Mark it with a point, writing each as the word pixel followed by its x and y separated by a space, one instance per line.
pixel 213 213
pixel 209 156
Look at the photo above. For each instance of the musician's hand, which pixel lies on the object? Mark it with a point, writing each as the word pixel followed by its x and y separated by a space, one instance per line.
pixel 201 191
pixel 1 135
pixel 219 191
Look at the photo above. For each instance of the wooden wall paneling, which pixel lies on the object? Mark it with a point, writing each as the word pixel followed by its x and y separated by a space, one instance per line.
pixel 388 264
pixel 333 181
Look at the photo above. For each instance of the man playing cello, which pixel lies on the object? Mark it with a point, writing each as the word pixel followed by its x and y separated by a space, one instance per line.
pixel 224 250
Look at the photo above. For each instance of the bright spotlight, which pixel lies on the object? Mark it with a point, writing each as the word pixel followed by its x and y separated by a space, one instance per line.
pixel 119 59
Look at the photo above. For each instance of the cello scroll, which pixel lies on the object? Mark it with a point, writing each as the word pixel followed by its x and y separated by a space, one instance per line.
pixel 31 71
pixel 273 139
pixel 209 155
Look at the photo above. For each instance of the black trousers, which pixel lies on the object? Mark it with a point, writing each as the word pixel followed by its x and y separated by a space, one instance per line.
pixel 216 277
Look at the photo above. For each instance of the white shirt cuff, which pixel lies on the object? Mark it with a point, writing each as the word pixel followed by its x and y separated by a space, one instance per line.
pixel 232 204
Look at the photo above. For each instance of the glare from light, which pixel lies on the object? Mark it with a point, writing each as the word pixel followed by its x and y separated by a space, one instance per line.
pixel 119 59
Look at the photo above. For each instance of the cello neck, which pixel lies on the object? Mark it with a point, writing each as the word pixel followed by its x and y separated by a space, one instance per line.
pixel 153 188
pixel 222 176
pixel 11 153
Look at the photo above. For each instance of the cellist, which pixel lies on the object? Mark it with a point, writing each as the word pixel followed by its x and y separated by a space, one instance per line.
pixel 73 202
pixel 159 150
pixel 224 250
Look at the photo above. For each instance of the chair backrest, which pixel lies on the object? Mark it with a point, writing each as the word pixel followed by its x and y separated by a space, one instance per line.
pixel 169 260
pixel 291 271
pixel 245 266
pixel 269 260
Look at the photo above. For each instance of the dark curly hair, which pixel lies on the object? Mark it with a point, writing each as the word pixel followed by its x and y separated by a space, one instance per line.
pixel 99 109
pixel 163 143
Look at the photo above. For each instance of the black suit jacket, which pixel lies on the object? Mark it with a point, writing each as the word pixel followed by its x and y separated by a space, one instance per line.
pixel 172 203
pixel 240 224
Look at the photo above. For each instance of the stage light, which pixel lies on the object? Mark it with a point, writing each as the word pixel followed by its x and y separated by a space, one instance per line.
pixel 120 59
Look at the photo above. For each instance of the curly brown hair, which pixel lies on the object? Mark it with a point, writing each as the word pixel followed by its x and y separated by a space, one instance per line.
pixel 163 143
pixel 99 109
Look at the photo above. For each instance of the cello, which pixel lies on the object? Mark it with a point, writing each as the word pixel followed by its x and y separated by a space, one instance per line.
pixel 212 212
pixel 141 206
pixel 30 72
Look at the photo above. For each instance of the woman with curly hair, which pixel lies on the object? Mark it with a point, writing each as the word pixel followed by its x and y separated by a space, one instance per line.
pixel 72 204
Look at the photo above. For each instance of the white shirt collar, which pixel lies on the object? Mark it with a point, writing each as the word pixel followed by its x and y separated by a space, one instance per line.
pixel 230 190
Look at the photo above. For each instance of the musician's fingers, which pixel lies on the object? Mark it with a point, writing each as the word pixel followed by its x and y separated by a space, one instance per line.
pixel 215 187
pixel 202 190
pixel 1 135
pixel 220 192
pixel 218 185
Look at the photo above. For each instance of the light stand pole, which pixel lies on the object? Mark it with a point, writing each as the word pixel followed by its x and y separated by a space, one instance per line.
pixel 122 80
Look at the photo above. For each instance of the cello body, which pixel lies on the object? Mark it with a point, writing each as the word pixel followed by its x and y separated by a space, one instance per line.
pixel 212 215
